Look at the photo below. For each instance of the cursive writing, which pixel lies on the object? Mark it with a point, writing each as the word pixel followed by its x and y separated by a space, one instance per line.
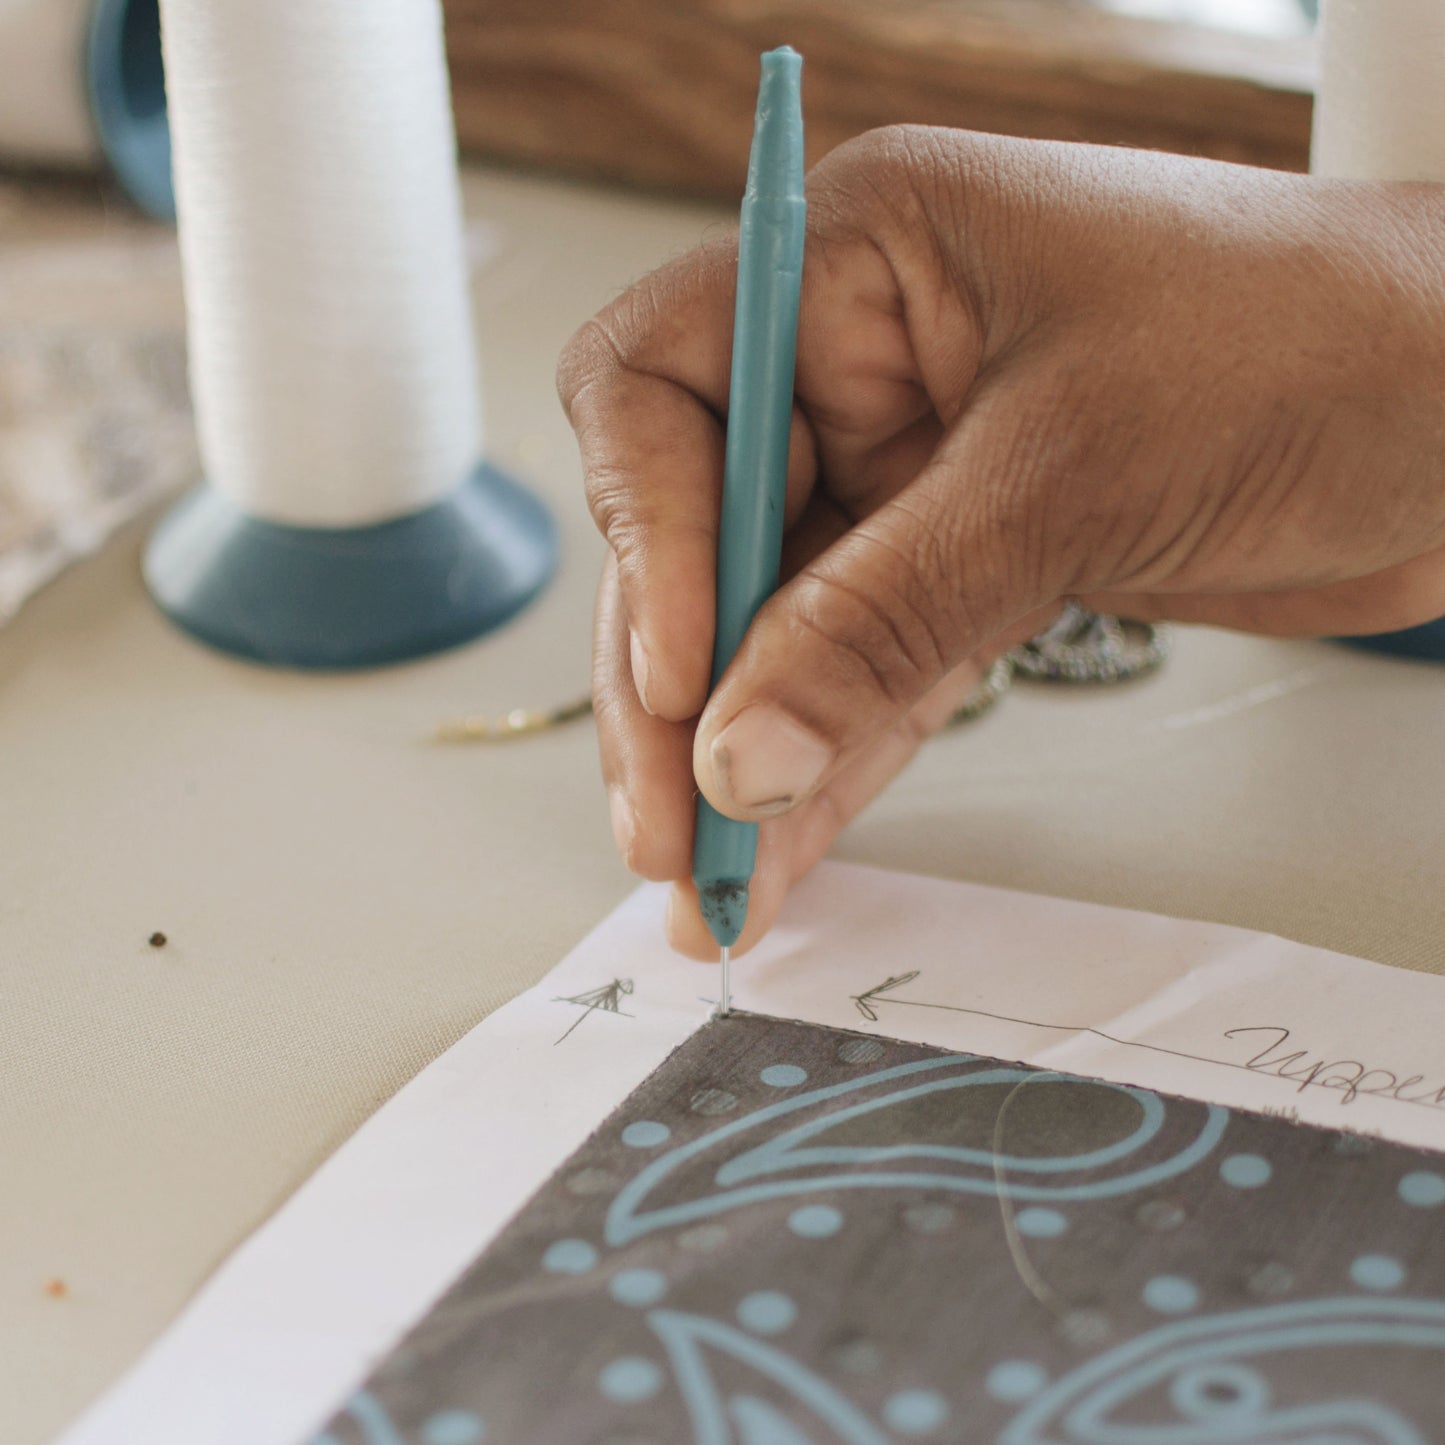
pixel 1351 1078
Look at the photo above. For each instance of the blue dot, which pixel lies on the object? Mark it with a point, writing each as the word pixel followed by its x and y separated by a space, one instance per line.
pixel 569 1256
pixel 784 1076
pixel 1171 1295
pixel 1423 1189
pixel 1245 1171
pixel 630 1380
pixel 915 1412
pixel 638 1287
pixel 1377 1271
pixel 815 1221
pixel 1040 1223
pixel 767 1312
pixel 645 1134
pixel 453 1427
pixel 1015 1380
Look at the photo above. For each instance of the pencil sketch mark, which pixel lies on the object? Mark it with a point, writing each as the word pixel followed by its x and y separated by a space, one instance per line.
pixel 865 1001
pixel 607 999
pixel 1349 1077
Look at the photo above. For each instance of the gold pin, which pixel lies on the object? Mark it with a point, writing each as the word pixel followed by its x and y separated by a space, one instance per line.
pixel 520 722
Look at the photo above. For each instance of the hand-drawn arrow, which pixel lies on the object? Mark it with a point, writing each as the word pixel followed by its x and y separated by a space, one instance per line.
pixel 607 999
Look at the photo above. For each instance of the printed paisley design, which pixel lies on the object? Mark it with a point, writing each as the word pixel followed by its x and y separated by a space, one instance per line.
pixel 806 1143
pixel 1205 1381
pixel 722 1419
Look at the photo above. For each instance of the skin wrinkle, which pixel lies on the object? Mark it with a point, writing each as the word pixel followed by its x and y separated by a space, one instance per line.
pixel 892 247
pixel 843 646
pixel 914 617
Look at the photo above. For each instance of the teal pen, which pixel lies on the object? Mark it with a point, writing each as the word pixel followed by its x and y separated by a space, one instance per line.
pixel 755 470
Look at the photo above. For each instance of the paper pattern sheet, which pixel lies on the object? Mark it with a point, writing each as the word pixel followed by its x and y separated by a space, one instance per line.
pixel 1173 1265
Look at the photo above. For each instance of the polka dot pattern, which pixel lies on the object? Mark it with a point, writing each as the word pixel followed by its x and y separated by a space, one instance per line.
pixel 1423 1189
pixel 915 1412
pixel 1245 1171
pixel 638 1287
pixel 767 1312
pixel 815 1221
pixel 453 1427
pixel 783 1076
pixel 630 1380
pixel 1171 1295
pixel 569 1256
pixel 645 1134
pixel 1378 1272
pixel 1039 1223
pixel 713 1101
pixel 1015 1380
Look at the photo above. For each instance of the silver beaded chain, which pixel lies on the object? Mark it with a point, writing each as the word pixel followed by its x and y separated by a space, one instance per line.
pixel 1080 647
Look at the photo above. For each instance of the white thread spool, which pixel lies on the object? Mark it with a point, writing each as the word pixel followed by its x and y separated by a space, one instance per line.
pixel 1380 102
pixel 332 363
pixel 321 241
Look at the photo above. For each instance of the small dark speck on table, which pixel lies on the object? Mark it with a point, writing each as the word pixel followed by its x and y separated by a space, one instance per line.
pixel 56 1288
pixel 158 940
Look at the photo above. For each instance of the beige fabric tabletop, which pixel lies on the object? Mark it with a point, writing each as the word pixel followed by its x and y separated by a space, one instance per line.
pixel 343 899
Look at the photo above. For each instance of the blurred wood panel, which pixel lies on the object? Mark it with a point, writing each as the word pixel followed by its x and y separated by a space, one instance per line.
pixel 660 92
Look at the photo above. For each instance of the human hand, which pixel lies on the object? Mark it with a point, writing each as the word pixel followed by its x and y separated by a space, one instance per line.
pixel 1026 371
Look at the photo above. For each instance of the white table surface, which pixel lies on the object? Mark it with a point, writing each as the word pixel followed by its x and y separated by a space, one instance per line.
pixel 343 899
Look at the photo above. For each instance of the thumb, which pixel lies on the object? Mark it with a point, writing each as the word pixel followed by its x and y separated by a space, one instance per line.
pixel 841 653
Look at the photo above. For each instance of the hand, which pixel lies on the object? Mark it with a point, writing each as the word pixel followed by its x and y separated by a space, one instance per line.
pixel 1026 371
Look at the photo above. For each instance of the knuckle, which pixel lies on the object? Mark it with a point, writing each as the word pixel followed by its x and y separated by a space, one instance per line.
pixel 884 638
pixel 617 509
pixel 870 176
pixel 592 354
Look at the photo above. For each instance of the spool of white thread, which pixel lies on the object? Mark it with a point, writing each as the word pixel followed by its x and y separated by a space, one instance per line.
pixel 1380 102
pixel 332 360
pixel 1380 116
pixel 81 85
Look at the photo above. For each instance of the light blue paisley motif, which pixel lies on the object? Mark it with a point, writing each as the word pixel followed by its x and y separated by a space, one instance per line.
pixel 376 1425
pixel 1211 1372
pixel 799 1147
pixel 759 1424
pixel 687 1339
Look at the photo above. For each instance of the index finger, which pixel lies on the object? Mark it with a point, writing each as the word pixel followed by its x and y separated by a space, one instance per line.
pixel 645 387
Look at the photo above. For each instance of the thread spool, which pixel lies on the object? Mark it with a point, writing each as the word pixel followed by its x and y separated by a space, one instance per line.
pixel 1380 115
pixel 81 85
pixel 345 520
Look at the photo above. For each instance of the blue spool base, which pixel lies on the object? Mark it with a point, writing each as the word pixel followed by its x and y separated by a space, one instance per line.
pixel 1424 643
pixel 126 80
pixel 337 598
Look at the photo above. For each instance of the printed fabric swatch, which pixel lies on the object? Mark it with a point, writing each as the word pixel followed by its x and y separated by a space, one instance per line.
pixel 796 1235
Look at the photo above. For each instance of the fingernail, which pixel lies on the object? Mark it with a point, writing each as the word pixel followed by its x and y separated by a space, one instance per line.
pixel 765 760
pixel 624 823
pixel 641 672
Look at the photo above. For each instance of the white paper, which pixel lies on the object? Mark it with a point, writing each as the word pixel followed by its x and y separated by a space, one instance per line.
pixel 301 1313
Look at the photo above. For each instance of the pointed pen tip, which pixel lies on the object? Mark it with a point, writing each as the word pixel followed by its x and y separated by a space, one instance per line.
pixel 775 167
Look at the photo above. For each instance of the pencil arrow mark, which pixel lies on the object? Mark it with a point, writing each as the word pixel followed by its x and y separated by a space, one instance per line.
pixel 607 999
pixel 865 1001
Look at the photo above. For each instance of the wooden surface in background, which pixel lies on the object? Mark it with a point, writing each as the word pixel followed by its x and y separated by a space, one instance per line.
pixel 660 92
